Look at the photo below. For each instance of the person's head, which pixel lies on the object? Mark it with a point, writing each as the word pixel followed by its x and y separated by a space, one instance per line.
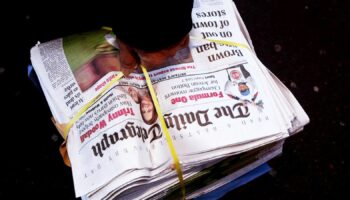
pixel 150 31
pixel 148 111
pixel 134 94
pixel 243 88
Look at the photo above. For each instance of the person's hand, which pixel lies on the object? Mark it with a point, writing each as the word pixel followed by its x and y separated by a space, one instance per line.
pixel 131 58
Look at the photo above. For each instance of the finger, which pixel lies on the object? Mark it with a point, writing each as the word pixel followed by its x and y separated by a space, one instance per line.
pixel 126 71
pixel 128 58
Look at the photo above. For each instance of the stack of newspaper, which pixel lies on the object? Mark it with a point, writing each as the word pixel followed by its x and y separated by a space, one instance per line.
pixel 225 111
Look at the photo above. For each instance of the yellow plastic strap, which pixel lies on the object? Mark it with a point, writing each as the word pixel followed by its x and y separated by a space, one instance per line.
pixel 166 131
pixel 87 106
pixel 229 43
pixel 223 42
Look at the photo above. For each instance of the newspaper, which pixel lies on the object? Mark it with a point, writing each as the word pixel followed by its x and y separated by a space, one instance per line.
pixel 217 99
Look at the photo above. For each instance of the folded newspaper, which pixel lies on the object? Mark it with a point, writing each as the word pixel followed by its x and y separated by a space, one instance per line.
pixel 223 108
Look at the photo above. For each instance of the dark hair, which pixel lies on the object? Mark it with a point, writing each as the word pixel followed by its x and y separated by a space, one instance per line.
pixel 152 25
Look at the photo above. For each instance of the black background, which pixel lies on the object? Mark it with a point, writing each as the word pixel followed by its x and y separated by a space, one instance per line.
pixel 305 43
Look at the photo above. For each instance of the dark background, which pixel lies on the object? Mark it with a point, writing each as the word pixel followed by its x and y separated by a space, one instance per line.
pixel 305 43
